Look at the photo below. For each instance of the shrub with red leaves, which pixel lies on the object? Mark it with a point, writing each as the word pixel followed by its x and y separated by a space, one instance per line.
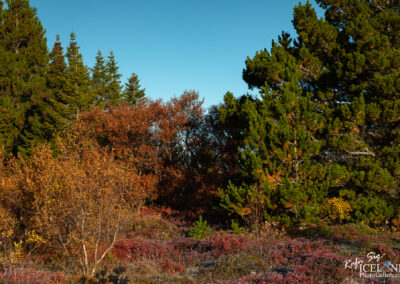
pixel 13 275
pixel 143 249
pixel 222 244
pixel 173 267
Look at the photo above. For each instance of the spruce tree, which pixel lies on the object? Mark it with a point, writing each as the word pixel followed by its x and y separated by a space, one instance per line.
pixel 79 94
pixel 114 89
pixel 99 80
pixel 132 92
pixel 8 113
pixel 29 112
pixel 56 78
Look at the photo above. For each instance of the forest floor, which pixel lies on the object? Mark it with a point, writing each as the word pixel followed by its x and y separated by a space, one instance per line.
pixel 160 250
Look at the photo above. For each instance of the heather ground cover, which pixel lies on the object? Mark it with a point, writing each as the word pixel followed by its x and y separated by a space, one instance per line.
pixel 158 248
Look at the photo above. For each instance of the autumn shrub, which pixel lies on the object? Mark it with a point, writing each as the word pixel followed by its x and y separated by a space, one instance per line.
pixel 15 275
pixel 175 141
pixel 75 203
pixel 337 209
pixel 173 267
pixel 7 218
pixel 7 227
pixel 149 135
pixel 223 244
pixel 139 248
pixel 188 249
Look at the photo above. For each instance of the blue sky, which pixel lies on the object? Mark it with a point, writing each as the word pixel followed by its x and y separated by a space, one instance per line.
pixel 173 45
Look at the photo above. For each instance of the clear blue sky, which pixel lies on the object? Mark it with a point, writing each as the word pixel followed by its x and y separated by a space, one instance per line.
pixel 173 45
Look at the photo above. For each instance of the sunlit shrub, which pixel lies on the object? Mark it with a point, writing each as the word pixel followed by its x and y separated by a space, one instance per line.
pixel 337 209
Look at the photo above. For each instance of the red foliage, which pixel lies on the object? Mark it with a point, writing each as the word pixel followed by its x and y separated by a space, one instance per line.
pixel 139 248
pixel 290 260
pixel 297 261
pixel 222 244
pixel 184 248
pixel 173 267
pixel 13 275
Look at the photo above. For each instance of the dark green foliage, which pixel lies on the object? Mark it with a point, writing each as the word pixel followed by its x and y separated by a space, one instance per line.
pixel 114 89
pixel 277 156
pixel 106 82
pixel 132 92
pixel 56 82
pixel 29 111
pixel 99 79
pixel 79 94
pixel 342 76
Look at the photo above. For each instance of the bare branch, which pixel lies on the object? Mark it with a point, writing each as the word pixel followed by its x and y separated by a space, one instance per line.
pixel 366 152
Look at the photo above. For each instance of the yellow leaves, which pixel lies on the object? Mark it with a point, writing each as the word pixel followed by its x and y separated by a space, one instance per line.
pixel 16 254
pixel 337 208
pixel 33 238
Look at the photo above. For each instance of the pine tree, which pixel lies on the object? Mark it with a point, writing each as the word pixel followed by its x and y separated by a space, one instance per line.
pixel 114 89
pixel 278 146
pixel 132 92
pixel 349 63
pixel 79 94
pixel 29 112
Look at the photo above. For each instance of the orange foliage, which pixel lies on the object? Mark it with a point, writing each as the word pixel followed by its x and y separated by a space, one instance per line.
pixel 76 203
pixel 164 140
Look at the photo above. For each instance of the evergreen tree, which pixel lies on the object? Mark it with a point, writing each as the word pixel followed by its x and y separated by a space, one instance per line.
pixel 114 89
pixel 29 112
pixel 132 92
pixel 9 115
pixel 106 81
pixel 79 94
pixel 349 63
pixel 56 78
pixel 280 179
pixel 99 80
